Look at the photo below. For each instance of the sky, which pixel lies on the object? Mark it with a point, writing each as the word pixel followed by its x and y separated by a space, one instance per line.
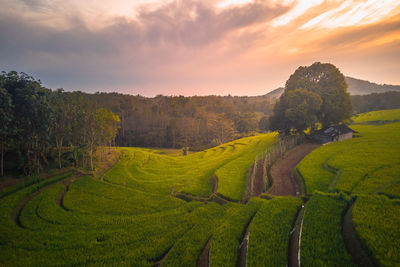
pixel 196 47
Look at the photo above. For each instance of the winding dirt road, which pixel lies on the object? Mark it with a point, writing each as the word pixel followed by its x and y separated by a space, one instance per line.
pixel 284 182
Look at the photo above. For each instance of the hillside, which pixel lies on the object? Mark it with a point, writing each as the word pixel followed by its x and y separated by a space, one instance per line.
pixel 359 178
pixel 362 87
pixel 356 87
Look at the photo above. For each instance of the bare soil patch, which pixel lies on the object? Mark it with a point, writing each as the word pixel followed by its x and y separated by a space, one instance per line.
pixel 9 181
pixel 204 259
pixel 66 184
pixel 353 244
pixel 284 182
pixel 259 186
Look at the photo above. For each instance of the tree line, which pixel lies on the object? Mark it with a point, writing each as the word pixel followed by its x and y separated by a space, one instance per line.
pixel 376 101
pixel 35 121
pixel 197 122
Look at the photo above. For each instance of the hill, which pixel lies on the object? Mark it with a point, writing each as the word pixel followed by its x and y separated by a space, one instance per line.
pixel 362 87
pixel 366 169
pixel 356 87
pixel 274 94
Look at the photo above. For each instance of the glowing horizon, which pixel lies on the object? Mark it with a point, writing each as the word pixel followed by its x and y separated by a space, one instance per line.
pixel 188 47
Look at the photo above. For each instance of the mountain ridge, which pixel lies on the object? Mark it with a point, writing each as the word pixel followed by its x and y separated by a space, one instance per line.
pixel 356 87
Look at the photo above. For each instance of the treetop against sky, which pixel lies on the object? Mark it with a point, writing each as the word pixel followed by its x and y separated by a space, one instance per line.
pixel 238 47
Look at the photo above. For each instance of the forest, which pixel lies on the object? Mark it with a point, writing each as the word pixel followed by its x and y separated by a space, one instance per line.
pixel 376 101
pixel 36 121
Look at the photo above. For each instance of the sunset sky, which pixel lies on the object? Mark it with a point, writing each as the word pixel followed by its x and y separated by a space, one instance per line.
pixel 202 47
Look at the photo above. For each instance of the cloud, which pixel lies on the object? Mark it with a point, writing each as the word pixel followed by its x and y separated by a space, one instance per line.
pixel 156 43
pixel 187 44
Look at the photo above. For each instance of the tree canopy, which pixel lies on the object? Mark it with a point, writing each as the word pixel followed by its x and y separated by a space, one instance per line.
pixel 35 119
pixel 314 94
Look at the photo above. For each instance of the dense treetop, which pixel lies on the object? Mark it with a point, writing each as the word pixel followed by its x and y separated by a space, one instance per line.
pixel 314 94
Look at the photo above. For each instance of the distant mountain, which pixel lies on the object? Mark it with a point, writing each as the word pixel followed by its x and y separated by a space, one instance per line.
pixel 362 87
pixel 356 87
pixel 274 94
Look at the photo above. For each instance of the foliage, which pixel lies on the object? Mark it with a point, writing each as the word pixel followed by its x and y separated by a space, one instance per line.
pixel 376 101
pixel 6 118
pixel 312 94
pixel 198 122
pixel 296 109
pixel 46 119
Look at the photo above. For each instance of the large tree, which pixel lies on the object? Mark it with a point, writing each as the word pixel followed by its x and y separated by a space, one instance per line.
pixel 314 94
pixel 32 114
pixel 6 129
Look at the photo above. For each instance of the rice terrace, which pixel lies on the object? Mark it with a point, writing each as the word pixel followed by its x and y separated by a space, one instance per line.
pixel 192 133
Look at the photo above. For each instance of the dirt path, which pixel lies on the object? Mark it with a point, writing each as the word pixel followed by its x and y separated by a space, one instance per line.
pixel 204 259
pixel 9 181
pixel 284 182
pixel 66 184
pixel 244 245
pixel 15 216
pixel 259 185
pixel 243 249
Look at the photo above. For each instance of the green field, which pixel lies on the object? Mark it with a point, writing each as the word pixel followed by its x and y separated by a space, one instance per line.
pixel 322 243
pixel 131 216
pixel 157 207
pixel 367 168
pixel 268 232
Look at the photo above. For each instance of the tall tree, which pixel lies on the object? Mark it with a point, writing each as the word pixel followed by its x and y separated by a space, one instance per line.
pixel 6 129
pixel 222 129
pixel 32 110
pixel 314 94
pixel 296 110
pixel 61 106
pixel 329 83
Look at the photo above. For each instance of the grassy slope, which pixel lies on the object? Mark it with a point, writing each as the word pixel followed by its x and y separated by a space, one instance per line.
pixel 269 232
pixel 367 166
pixel 322 242
pixel 130 217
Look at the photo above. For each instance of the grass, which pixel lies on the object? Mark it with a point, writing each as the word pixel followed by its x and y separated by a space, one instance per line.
pixel 228 236
pixel 378 117
pixel 366 167
pixel 366 164
pixel 269 232
pixel 376 219
pixel 321 240
pixel 130 216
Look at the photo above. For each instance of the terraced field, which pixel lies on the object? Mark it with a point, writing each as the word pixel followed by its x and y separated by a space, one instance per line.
pixel 135 215
pixel 154 208
pixel 366 169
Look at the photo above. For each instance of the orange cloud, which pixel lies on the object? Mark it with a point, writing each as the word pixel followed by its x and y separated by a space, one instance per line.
pixel 239 47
